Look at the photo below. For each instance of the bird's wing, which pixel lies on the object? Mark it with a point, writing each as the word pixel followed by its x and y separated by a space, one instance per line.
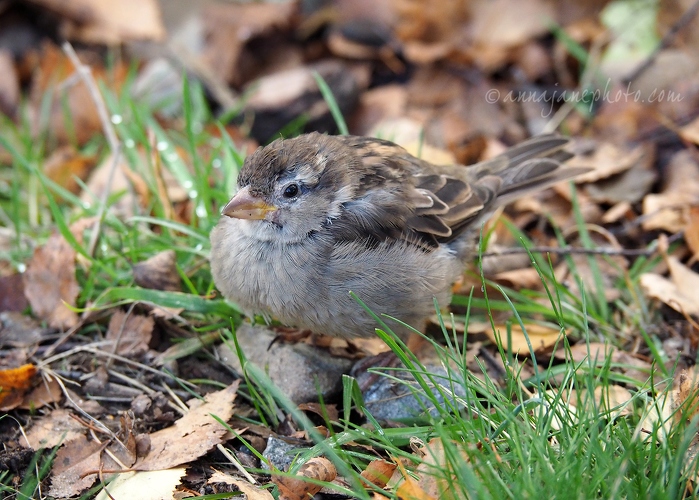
pixel 403 197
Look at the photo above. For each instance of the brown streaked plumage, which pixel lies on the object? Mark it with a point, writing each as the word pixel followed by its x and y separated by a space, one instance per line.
pixel 319 216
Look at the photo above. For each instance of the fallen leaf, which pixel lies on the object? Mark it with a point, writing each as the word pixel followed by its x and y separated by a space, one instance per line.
pixel 52 68
pixel 541 337
pixel 679 292
pixel 691 231
pixel 50 284
pixel 14 382
pixel 53 429
pixel 295 488
pixel 669 209
pixel 66 164
pixel 47 392
pixel 508 23
pixel 686 396
pixel 410 489
pixel 605 160
pixel 109 22
pixel 131 333
pixel 193 435
pixel 251 491
pixel 75 467
pixel 378 472
pixel 158 272
pixel 144 485
pixel 229 28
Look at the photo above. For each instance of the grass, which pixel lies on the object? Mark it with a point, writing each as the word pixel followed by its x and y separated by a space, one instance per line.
pixel 514 438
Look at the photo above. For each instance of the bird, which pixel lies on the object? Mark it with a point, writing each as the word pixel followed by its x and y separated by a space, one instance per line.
pixel 318 216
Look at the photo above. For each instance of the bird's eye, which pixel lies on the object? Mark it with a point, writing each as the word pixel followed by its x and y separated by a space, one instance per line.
pixel 291 190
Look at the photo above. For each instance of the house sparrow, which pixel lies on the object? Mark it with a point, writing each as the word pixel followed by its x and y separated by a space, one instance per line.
pixel 318 216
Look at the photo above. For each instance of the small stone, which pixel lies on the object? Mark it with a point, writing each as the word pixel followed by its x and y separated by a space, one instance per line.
pixel 300 370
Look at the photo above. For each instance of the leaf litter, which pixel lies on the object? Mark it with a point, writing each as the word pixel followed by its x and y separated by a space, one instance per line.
pixel 643 186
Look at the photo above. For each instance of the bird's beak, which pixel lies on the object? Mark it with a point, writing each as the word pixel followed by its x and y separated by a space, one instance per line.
pixel 246 206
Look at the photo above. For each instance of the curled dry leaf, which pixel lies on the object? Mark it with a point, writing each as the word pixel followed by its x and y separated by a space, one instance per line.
pixel 679 292
pixel 378 472
pixel 296 488
pixel 50 284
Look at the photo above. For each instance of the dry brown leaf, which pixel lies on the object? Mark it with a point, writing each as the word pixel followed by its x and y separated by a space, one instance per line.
pixel 669 209
pixel 132 333
pixel 679 292
pixel 49 391
pixel 251 491
pixel 434 468
pixel 508 23
pixel 629 186
pixel 108 22
pixel 74 461
pixel 50 430
pixel 53 67
pixel 686 397
pixel 691 232
pixel 50 284
pixel 192 435
pixel 14 383
pixel 430 31
pixel 295 488
pixel 606 160
pixel 229 28
pixel 158 272
pixel 378 472
pixel 541 337
pixel 410 489
pixel 66 164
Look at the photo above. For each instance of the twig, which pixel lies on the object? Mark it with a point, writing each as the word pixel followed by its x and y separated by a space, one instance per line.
pixel 665 42
pixel 109 132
